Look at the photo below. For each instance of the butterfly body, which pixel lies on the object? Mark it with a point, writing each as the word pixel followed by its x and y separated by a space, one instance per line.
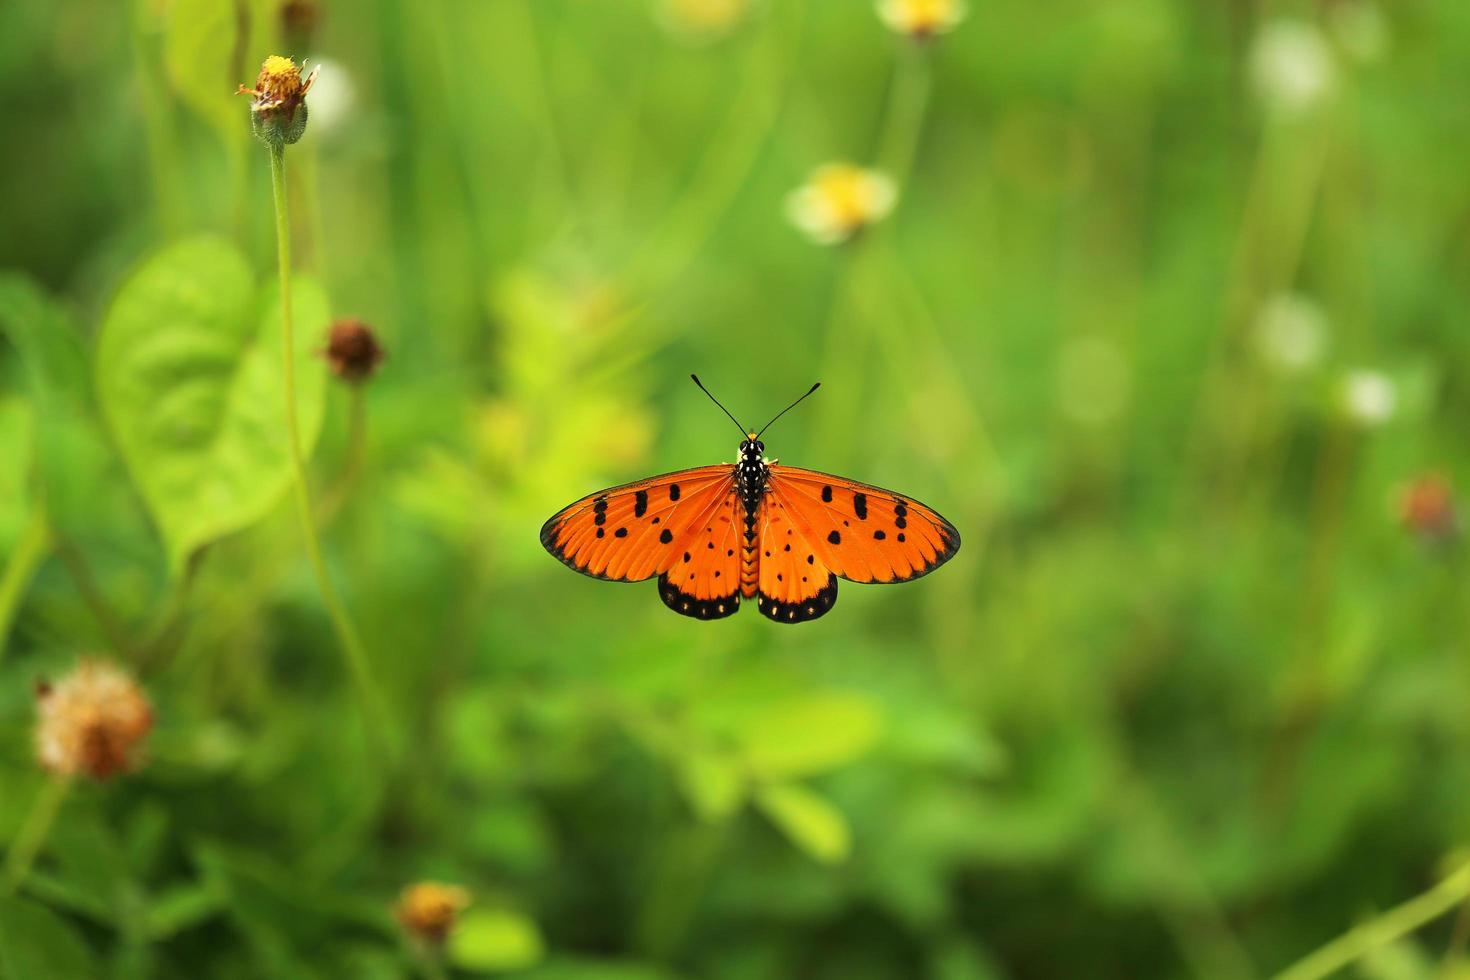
pixel 719 535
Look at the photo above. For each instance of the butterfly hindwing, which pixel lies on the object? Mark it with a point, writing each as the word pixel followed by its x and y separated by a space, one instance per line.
pixel 794 585
pixel 859 532
pixel 704 580
pixel 639 530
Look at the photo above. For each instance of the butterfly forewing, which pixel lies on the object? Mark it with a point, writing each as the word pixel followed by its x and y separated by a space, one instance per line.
pixel 859 532
pixel 639 530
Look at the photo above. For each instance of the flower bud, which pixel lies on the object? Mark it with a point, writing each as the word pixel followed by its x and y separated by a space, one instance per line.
pixel 91 721
pixel 1426 508
pixel 278 107
pixel 428 909
pixel 353 351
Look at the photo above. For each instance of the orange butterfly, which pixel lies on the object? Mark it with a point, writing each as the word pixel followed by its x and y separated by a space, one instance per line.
pixel 717 534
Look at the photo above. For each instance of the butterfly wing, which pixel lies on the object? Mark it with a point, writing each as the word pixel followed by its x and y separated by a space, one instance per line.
pixel 795 585
pixel 678 526
pixel 858 532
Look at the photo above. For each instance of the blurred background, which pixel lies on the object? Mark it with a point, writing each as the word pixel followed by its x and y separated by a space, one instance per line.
pixel 1166 314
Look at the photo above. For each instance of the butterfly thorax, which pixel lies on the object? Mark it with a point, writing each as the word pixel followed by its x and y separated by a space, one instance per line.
pixel 751 474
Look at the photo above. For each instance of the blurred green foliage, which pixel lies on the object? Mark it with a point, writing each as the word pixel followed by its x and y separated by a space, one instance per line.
pixel 1170 309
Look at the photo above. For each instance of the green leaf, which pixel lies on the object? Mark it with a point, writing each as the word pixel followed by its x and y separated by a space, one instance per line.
pixel 189 376
pixel 490 940
pixel 199 45
pixel 808 821
pixel 712 785
pixel 71 452
pixel 37 944
pixel 810 735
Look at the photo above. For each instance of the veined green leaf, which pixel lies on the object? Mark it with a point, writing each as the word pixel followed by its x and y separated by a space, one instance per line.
pixel 189 375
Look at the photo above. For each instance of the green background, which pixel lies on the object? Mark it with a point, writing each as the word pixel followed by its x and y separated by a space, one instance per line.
pixel 1189 702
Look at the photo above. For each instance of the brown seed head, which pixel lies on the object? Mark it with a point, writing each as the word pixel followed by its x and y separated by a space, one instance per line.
pixel 353 351
pixel 91 721
pixel 1426 506
pixel 428 909
pixel 279 88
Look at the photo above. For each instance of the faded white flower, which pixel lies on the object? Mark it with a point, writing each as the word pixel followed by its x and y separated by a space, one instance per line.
pixel 1292 66
pixel 1368 397
pixel 1092 381
pixel 839 200
pixel 1291 333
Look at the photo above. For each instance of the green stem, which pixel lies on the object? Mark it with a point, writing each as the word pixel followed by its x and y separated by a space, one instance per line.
pixel 35 543
pixel 908 103
pixel 1376 933
pixel 81 575
pixel 33 833
pixel 332 504
pixel 347 635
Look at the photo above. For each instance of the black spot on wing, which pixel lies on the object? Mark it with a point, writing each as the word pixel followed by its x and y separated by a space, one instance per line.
pixel 665 536
pixel 860 505
pixel 834 538
pixel 826 495
pixel 801 611
pixel 673 491
pixel 687 605
pixel 640 503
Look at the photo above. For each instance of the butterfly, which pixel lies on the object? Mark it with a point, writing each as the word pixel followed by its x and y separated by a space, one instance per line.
pixel 719 535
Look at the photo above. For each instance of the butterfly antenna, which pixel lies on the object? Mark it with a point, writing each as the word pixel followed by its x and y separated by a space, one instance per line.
pixel 789 408
pixel 743 430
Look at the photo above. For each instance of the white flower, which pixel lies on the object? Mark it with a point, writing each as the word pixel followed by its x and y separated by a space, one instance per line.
pixel 1092 381
pixel 1292 66
pixel 1291 333
pixel 922 18
pixel 1368 397
pixel 839 200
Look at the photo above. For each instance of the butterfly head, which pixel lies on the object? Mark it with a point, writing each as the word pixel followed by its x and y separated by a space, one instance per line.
pixel 751 448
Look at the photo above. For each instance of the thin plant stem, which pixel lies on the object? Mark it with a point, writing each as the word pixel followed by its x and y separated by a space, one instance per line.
pixel 33 833
pixel 341 491
pixel 76 566
pixel 1376 933
pixel 347 635
pixel 34 545
pixel 908 104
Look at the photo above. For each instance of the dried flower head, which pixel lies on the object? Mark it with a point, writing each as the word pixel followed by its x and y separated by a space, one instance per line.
pixel 278 107
pixel 428 909
pixel 353 351
pixel 839 200
pixel 91 721
pixel 1426 507
pixel 922 19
